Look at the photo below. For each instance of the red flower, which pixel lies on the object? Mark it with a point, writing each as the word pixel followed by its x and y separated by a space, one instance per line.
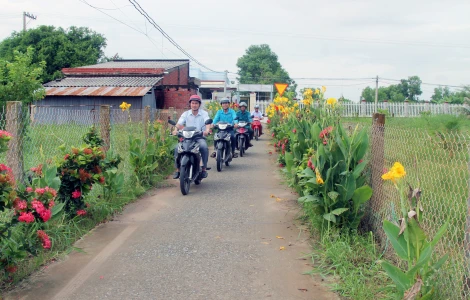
pixel 359 161
pixel 268 121
pixel 281 165
pixel 46 215
pixel 102 180
pixel 4 134
pixel 46 242
pixel 29 189
pixel 76 194
pixel 325 142
pixel 294 130
pixel 51 190
pixel 75 151
pixel 40 191
pixel 66 156
pixel 37 170
pixel 272 134
pixel 19 204
pixel 310 164
pixel 51 204
pixel 11 268
pixel 26 217
pixel 81 212
pixel 87 151
pixel 38 206
pixel 84 175
pixel 97 169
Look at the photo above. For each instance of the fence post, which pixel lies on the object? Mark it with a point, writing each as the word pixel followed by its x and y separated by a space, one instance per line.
pixel 15 125
pixel 446 108
pixel 105 125
pixel 407 108
pixel 363 108
pixel 377 158
pixel 466 279
pixel 146 122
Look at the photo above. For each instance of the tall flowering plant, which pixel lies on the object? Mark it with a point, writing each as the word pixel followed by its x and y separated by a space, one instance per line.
pixel 411 243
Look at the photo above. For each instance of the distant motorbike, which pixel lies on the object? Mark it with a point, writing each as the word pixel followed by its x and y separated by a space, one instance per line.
pixel 242 136
pixel 189 157
pixel 256 126
pixel 222 144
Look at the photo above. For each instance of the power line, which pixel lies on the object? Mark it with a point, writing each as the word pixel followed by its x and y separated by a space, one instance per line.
pixel 425 83
pixel 151 21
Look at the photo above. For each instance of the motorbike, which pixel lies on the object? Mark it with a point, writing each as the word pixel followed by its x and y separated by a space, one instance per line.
pixel 242 136
pixel 189 157
pixel 222 145
pixel 256 126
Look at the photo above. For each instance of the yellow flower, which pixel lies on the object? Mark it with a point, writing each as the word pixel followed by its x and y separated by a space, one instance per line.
pixel 317 91
pixel 323 89
pixel 306 102
pixel 331 101
pixel 308 92
pixel 296 104
pixel 318 175
pixel 396 171
pixel 124 106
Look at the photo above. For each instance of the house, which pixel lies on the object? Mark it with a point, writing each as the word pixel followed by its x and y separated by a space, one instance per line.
pixel 158 83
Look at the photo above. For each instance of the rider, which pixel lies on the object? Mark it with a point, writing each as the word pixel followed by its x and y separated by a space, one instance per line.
pixel 257 114
pixel 244 115
pixel 228 115
pixel 194 117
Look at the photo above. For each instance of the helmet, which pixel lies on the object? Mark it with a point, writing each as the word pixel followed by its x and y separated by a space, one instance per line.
pixel 195 98
pixel 224 100
pixel 243 104
pixel 256 106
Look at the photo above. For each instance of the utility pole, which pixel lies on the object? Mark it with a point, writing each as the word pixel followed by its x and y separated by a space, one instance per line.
pixel 376 92
pixel 25 15
pixel 225 84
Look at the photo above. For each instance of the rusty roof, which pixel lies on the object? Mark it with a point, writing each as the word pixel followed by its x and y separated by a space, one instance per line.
pixel 104 82
pixel 141 63
pixel 109 91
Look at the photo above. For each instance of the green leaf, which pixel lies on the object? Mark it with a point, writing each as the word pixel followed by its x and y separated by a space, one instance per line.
pixel 315 132
pixel 359 168
pixel 309 198
pixel 341 146
pixel 57 208
pixel 333 195
pixel 417 237
pixel 330 217
pixel 428 295
pixel 439 234
pixel 423 259
pixel 289 161
pixel 398 242
pixel 361 195
pixel 400 279
pixel 339 211
pixel 440 262
pixel 362 145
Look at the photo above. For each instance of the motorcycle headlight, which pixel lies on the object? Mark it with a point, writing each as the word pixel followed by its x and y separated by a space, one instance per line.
pixel 188 134
pixel 223 126
pixel 195 149
pixel 242 124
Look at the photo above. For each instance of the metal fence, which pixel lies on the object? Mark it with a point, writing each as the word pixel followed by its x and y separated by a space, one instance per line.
pixel 439 164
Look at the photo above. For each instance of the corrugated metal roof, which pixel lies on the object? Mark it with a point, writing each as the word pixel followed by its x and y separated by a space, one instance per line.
pixel 105 82
pixel 131 63
pixel 108 91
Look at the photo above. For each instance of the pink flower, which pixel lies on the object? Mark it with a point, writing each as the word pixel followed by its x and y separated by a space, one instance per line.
pixel 268 121
pixel 40 191
pixel 26 217
pixel 76 194
pixel 102 179
pixel 4 134
pixel 46 215
pixel 310 164
pixel 19 204
pixel 29 189
pixel 66 156
pixel 51 190
pixel 38 206
pixel 272 134
pixel 87 151
pixel 294 130
pixel 81 212
pixel 359 161
pixel 11 268
pixel 325 142
pixel 51 204
pixel 46 242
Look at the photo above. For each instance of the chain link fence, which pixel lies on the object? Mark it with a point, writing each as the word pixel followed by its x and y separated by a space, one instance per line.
pixel 439 164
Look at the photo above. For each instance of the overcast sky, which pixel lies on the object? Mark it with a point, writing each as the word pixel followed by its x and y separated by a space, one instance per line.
pixel 313 39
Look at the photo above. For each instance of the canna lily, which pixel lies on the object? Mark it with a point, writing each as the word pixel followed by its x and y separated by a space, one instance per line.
pixel 397 171
pixel 125 106
pixel 331 101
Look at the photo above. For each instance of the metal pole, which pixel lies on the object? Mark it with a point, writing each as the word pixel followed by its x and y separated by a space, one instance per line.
pixel 225 84
pixel 24 21
pixel 376 92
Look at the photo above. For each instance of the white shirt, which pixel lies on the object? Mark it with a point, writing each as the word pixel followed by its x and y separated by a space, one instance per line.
pixel 188 119
pixel 257 114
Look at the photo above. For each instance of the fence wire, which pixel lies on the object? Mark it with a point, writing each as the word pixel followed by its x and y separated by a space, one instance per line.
pixel 438 163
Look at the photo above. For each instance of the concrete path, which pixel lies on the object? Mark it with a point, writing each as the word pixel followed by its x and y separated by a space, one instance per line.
pixel 218 242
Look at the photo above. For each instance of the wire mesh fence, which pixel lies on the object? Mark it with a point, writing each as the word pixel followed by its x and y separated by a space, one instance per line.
pixel 439 164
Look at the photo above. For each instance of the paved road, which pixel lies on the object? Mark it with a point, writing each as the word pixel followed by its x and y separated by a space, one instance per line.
pixel 218 242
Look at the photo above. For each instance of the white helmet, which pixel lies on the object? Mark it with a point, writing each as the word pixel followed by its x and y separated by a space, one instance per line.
pixel 243 104
pixel 256 106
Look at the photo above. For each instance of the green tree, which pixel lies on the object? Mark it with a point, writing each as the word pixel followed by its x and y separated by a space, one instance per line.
pixel 414 87
pixel 260 65
pixel 20 79
pixel 59 48
pixel 368 94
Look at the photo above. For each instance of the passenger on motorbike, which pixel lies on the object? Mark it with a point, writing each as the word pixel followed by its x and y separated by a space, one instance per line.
pixel 194 117
pixel 226 114
pixel 257 114
pixel 244 115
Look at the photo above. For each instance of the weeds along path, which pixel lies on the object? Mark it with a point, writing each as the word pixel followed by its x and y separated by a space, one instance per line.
pixel 233 237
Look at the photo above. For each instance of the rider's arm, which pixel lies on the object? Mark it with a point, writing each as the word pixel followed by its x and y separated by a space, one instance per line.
pixel 250 120
pixel 234 115
pixel 216 118
pixel 181 121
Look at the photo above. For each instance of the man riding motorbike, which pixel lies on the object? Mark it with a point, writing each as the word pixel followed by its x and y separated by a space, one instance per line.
pixel 257 114
pixel 244 115
pixel 194 117
pixel 226 114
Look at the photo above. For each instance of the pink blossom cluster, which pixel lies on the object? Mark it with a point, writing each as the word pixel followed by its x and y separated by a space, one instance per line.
pixel 5 134
pixel 46 241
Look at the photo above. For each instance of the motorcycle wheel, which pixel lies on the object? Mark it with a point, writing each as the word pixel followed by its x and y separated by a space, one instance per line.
pixel 219 160
pixel 241 146
pixel 185 181
pixel 256 133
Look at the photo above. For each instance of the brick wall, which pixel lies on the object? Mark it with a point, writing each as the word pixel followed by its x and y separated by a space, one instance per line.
pixel 178 98
pixel 172 77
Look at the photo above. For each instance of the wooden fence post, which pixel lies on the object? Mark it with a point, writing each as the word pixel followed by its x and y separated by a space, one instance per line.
pixel 377 160
pixel 105 125
pixel 15 126
pixel 146 122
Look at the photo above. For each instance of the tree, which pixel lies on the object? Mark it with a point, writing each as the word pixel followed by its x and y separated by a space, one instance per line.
pixel 59 48
pixel 20 79
pixel 260 65
pixel 414 87
pixel 368 94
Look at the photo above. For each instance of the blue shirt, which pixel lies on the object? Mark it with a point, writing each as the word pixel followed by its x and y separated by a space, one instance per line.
pixel 244 116
pixel 228 116
pixel 188 119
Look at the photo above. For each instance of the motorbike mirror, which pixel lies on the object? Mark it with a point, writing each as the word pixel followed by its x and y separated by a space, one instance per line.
pixel 172 122
pixel 208 121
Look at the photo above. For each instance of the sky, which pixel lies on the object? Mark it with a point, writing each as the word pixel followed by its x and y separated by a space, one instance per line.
pixel 340 44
